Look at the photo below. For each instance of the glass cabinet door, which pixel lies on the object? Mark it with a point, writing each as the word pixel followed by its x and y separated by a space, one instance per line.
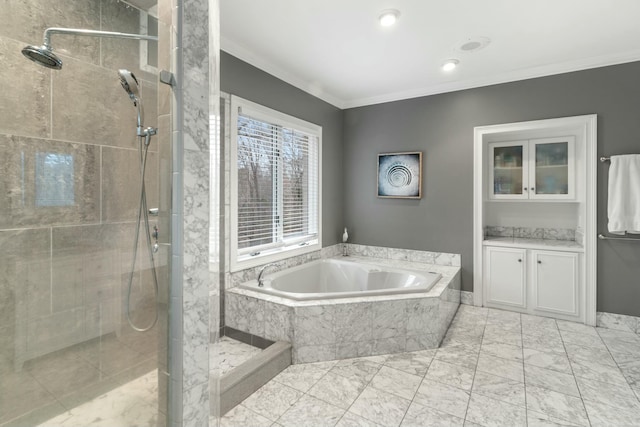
pixel 508 170
pixel 552 168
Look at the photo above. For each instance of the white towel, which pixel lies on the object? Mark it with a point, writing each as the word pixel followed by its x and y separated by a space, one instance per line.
pixel 624 194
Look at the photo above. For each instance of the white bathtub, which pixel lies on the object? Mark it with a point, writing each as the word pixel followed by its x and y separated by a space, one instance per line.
pixel 336 278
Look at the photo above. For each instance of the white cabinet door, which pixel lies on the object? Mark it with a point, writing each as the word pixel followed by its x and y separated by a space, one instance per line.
pixel 552 168
pixel 509 170
pixel 555 282
pixel 505 277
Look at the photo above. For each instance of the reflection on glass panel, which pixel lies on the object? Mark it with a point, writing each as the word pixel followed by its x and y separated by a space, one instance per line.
pixel 507 170
pixel 552 170
pixel 54 180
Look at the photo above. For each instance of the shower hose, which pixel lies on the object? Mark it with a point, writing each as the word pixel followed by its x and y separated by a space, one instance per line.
pixel 143 213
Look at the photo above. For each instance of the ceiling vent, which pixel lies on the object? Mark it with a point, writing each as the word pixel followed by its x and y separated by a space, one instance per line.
pixel 473 44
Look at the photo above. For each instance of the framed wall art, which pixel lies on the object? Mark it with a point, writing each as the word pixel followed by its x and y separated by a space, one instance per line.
pixel 400 175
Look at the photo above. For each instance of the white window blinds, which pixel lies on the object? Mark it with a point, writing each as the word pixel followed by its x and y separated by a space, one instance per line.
pixel 277 182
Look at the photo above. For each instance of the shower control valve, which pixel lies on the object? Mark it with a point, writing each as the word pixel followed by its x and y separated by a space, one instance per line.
pixel 156 232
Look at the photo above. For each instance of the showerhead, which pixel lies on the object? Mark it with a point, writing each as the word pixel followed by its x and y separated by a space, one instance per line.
pixel 129 84
pixel 43 55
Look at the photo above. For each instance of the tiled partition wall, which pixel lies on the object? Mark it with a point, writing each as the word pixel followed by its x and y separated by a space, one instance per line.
pixel 68 199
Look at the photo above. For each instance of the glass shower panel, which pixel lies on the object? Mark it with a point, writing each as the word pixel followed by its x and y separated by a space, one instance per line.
pixel 552 168
pixel 69 193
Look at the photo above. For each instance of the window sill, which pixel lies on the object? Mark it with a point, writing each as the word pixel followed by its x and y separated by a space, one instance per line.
pixel 246 261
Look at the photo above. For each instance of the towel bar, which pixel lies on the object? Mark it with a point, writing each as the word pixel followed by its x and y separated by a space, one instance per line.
pixel 603 237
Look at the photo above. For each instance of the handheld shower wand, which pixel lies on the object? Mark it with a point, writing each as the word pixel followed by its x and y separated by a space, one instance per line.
pixel 131 85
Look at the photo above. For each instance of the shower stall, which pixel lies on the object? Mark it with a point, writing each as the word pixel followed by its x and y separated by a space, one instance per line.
pixel 92 319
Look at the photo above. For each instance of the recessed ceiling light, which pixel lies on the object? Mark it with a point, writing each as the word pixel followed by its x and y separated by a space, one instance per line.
pixel 389 17
pixel 450 64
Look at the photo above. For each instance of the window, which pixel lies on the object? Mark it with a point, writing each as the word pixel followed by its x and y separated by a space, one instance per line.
pixel 275 185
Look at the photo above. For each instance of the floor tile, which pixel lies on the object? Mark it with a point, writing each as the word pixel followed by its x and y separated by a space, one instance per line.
pixel 582 339
pixel 504 351
pixel 459 354
pixel 514 370
pixel 612 334
pixel 361 368
pixel 495 413
pixel 502 336
pixel 545 343
pixel 503 317
pixel 444 398
pixel 448 373
pixel 565 325
pixel 536 419
pixel 311 412
pixel 556 405
pixel 272 400
pixel 554 361
pixel 384 408
pixel 529 320
pixel 499 388
pixel 338 390
pixel 551 380
pixel 422 416
pixel 241 416
pixel 616 395
pixel 397 382
pixel 602 415
pixel 598 372
pixel 415 362
pixel 353 420
pixel 578 353
pixel 303 376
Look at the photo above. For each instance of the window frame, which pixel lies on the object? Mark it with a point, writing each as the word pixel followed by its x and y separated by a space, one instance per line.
pixel 242 260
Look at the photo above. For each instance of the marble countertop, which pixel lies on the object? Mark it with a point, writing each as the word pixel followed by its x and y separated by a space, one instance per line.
pixel 516 242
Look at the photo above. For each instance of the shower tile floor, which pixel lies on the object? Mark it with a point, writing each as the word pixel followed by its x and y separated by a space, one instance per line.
pixel 494 368
pixel 135 403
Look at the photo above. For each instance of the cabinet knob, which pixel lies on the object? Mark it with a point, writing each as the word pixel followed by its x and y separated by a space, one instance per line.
pixel 533 189
pixel 519 260
pixel 539 262
pixel 525 188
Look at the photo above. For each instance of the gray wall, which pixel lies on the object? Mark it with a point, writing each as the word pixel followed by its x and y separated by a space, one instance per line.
pixel 241 79
pixel 442 127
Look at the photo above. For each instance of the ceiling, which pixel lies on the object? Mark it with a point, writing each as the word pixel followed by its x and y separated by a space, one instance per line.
pixel 337 51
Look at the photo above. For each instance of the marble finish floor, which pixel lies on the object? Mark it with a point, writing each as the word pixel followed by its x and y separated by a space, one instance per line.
pixel 132 404
pixel 228 353
pixel 494 368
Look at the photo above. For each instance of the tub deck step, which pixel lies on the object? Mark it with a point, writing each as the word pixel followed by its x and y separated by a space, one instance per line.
pixel 239 383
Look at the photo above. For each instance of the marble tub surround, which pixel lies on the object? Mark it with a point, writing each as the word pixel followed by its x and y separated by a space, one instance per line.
pixel 487 372
pixel 531 233
pixel 426 257
pixel 348 327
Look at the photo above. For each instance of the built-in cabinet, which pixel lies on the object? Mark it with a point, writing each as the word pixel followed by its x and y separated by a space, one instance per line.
pixel 535 217
pixel 537 169
pixel 535 281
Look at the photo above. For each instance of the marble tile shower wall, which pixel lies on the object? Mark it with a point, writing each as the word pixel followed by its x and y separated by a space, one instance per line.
pixel 533 233
pixel 68 188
